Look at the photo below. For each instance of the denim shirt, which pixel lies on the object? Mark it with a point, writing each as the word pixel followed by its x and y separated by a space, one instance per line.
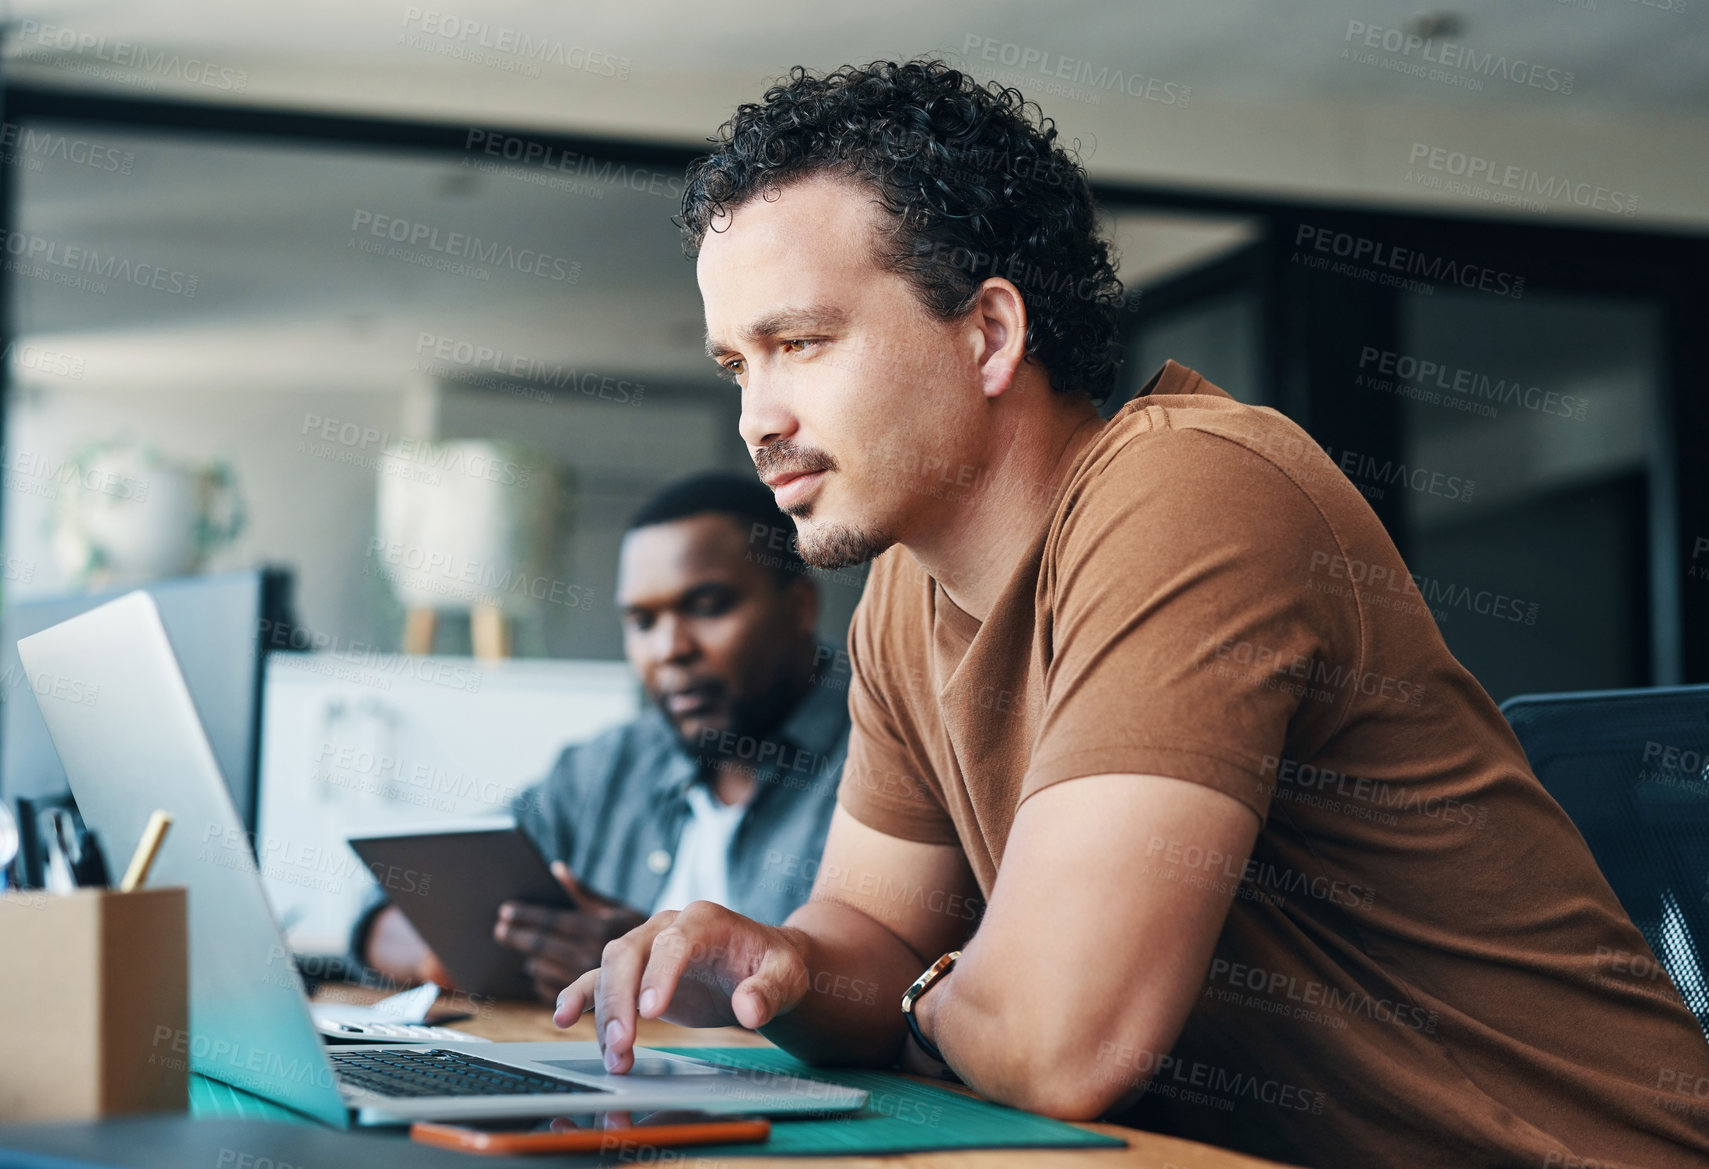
pixel 614 808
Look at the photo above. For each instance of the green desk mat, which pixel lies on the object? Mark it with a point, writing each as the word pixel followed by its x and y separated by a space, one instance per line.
pixel 901 1115
pixel 218 1100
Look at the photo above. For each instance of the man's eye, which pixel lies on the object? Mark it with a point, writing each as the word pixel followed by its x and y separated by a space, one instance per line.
pixel 798 344
pixel 733 368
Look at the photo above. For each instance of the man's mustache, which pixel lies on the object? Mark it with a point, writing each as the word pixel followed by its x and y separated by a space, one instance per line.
pixel 785 458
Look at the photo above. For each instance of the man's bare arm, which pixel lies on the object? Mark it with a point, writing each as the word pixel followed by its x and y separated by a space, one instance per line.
pixel 1111 896
pixel 882 910
pixel 826 985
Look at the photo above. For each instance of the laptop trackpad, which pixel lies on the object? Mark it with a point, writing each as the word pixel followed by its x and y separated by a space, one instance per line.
pixel 645 1066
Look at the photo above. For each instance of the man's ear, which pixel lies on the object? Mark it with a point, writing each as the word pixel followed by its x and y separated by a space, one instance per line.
pixel 1000 315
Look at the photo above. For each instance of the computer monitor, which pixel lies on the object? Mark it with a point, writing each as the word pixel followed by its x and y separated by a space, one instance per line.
pixel 218 625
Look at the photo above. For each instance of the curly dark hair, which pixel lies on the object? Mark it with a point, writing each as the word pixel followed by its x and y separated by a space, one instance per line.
pixel 975 187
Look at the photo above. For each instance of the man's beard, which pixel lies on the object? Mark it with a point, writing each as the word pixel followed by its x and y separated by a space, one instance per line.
pixel 751 721
pixel 834 546
pixel 831 546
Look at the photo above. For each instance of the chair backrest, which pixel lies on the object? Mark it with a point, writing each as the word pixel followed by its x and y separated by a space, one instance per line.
pixel 1631 767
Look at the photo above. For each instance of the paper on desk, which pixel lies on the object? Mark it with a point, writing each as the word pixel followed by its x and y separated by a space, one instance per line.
pixel 410 1006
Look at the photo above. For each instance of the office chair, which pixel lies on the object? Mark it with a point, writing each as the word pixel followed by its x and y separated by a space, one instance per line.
pixel 1631 768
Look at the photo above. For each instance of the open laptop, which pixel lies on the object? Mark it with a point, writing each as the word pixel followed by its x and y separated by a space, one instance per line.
pixel 121 716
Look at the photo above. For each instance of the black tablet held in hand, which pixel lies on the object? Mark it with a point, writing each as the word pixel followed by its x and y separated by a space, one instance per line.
pixel 449 882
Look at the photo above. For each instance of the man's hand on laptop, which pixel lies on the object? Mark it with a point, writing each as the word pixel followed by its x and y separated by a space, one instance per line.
pixel 703 966
pixel 561 943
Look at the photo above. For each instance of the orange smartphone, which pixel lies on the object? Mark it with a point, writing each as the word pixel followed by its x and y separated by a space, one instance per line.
pixel 599 1132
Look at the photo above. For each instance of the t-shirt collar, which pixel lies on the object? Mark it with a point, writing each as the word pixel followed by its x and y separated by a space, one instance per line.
pixel 1174 378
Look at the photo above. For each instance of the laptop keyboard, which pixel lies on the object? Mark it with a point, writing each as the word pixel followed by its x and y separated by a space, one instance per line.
pixel 431 1072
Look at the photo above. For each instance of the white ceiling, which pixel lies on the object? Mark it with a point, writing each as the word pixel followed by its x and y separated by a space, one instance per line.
pixel 1274 105
pixel 1628 56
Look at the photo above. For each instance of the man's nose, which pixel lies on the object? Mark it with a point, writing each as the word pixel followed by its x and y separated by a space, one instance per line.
pixel 766 416
pixel 673 640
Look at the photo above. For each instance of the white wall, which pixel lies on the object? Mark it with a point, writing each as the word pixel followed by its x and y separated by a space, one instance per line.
pixel 311 514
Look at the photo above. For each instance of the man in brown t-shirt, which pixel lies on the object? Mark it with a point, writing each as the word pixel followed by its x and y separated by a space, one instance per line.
pixel 1148 719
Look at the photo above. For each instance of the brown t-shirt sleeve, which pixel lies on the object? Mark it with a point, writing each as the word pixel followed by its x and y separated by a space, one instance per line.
pixel 885 784
pixel 1184 633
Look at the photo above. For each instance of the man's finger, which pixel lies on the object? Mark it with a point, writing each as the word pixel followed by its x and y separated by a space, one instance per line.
pixel 576 999
pixel 523 939
pixel 588 930
pixel 621 965
pixel 673 952
pixel 527 913
pixel 580 895
pixel 779 981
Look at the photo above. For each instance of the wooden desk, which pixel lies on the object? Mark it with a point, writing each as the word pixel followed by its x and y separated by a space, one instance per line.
pixel 523 1021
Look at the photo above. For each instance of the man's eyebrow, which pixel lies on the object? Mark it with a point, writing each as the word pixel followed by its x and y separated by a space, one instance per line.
pixel 784 322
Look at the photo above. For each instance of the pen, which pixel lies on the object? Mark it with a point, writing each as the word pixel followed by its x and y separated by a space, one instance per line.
pixel 8 845
pixel 58 875
pixel 146 848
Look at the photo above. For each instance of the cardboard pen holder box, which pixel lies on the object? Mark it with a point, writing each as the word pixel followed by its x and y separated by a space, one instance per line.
pixel 94 1003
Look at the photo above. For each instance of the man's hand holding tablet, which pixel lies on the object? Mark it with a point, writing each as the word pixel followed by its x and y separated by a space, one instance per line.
pixel 561 943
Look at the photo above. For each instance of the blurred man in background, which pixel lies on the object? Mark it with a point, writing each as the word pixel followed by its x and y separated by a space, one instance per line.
pixel 722 790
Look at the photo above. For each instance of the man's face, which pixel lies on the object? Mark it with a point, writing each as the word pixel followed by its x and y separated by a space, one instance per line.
pixel 715 636
pixel 861 410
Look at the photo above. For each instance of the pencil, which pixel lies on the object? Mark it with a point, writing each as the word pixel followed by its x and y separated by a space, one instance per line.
pixel 146 848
